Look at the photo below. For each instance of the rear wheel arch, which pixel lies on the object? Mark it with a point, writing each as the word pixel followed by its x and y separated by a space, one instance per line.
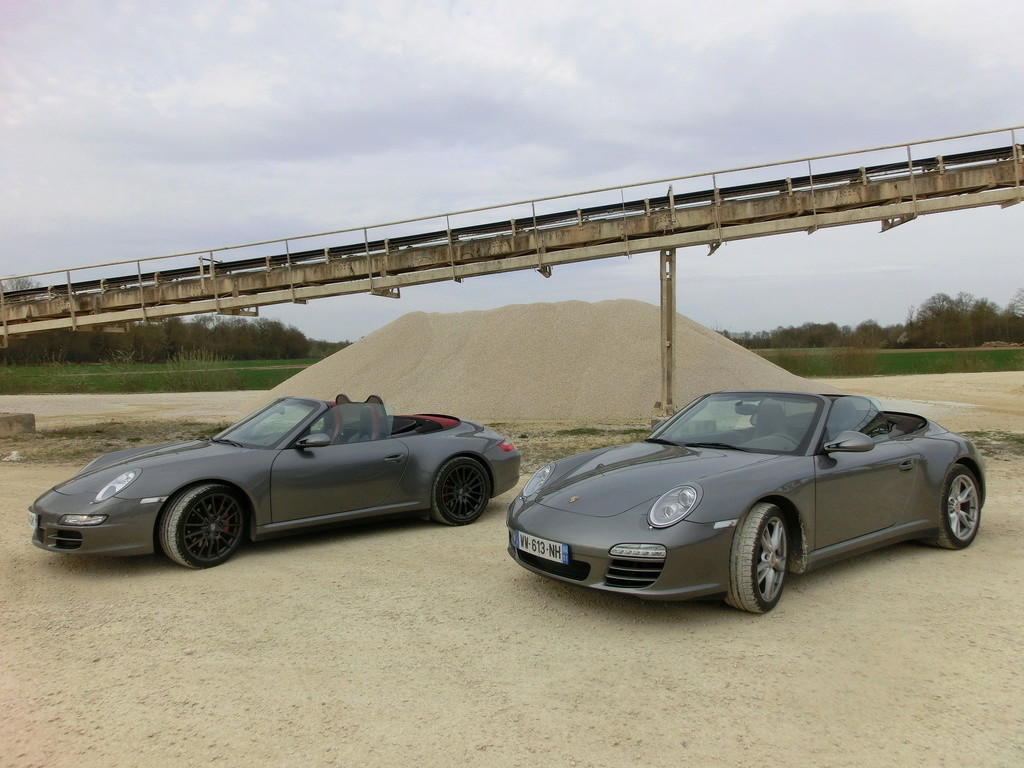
pixel 960 504
pixel 478 459
pixel 972 465
pixel 460 490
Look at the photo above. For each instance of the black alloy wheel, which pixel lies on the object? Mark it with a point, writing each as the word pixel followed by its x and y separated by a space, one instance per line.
pixel 460 491
pixel 202 526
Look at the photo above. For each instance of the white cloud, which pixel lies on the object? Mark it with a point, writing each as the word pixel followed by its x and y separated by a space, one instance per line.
pixel 227 86
pixel 139 128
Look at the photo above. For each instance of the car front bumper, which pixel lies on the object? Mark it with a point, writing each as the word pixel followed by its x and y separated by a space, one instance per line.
pixel 128 529
pixel 696 563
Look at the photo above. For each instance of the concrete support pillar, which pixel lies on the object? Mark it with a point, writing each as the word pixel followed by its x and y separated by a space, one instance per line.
pixel 667 271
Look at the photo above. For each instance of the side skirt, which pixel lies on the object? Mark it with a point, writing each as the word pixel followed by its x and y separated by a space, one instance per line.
pixel 354 517
pixel 869 542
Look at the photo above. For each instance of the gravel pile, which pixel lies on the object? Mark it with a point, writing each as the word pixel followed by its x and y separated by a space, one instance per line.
pixel 568 360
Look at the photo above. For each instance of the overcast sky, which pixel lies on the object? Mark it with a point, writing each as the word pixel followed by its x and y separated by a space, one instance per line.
pixel 134 128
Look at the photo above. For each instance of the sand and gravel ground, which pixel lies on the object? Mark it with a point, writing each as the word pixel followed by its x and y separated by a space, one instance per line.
pixel 412 644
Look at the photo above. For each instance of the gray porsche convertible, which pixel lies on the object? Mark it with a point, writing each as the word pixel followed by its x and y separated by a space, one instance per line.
pixel 740 488
pixel 292 466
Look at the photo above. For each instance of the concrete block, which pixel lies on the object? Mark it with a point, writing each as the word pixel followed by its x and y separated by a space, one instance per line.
pixel 17 424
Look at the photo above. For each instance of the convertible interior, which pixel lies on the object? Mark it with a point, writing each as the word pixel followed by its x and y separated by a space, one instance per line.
pixel 904 423
pixel 349 422
pixel 861 414
pixel 783 423
pixel 422 423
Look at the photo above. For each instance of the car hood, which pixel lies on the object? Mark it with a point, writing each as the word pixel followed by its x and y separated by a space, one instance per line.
pixel 616 479
pixel 112 464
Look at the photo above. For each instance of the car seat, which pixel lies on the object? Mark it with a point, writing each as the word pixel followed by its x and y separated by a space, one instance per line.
pixel 769 419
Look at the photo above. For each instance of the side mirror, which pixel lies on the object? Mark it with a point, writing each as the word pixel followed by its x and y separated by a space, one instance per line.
pixel 316 440
pixel 850 442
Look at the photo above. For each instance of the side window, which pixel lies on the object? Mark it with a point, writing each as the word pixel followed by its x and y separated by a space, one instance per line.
pixel 800 417
pixel 857 414
pixel 325 424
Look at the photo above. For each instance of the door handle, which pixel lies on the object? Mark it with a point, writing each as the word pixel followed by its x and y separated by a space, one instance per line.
pixel 394 458
pixel 906 465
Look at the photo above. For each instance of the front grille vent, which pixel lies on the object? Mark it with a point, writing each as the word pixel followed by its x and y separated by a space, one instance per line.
pixel 632 573
pixel 576 569
pixel 63 539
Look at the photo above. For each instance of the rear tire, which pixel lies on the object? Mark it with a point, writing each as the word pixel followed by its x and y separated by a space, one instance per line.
pixel 757 565
pixel 460 491
pixel 202 526
pixel 959 510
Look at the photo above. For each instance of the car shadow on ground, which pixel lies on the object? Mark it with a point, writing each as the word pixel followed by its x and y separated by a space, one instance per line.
pixel 332 535
pixel 329 535
pixel 368 529
pixel 103 566
pixel 815 587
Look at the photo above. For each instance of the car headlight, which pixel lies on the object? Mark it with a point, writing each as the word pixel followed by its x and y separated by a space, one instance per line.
pixel 117 485
pixel 540 477
pixel 674 506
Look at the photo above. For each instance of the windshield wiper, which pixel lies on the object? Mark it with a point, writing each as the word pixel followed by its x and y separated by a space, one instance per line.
pixel 226 441
pixel 716 445
pixel 661 440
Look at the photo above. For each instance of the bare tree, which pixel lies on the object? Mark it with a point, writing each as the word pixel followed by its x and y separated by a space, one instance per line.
pixel 17 284
pixel 1016 306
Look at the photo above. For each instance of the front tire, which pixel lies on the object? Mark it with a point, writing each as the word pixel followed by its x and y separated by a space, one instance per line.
pixel 460 491
pixel 202 526
pixel 959 509
pixel 757 565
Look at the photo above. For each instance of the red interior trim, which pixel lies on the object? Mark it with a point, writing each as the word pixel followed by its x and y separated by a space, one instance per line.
pixel 446 422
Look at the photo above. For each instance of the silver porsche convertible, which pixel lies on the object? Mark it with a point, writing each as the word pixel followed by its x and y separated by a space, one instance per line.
pixel 292 466
pixel 740 488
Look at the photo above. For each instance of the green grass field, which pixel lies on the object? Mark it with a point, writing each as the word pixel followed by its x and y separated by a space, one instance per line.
pixel 181 376
pixel 209 375
pixel 831 363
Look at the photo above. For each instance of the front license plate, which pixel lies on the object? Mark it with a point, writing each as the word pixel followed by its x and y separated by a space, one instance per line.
pixel 549 550
pixel 33 520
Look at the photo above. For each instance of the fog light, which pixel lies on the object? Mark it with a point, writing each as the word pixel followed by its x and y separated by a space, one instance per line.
pixel 651 551
pixel 81 519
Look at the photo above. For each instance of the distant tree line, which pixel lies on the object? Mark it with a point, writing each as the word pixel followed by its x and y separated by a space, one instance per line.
pixel 941 321
pixel 226 338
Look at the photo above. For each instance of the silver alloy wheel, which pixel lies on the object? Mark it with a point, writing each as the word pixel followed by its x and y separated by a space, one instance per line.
pixel 771 568
pixel 962 507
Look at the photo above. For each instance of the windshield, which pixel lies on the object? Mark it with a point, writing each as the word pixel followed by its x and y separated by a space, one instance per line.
pixel 267 427
pixel 751 421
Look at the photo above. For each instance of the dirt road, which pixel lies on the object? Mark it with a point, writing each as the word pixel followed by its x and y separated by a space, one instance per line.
pixel 419 645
